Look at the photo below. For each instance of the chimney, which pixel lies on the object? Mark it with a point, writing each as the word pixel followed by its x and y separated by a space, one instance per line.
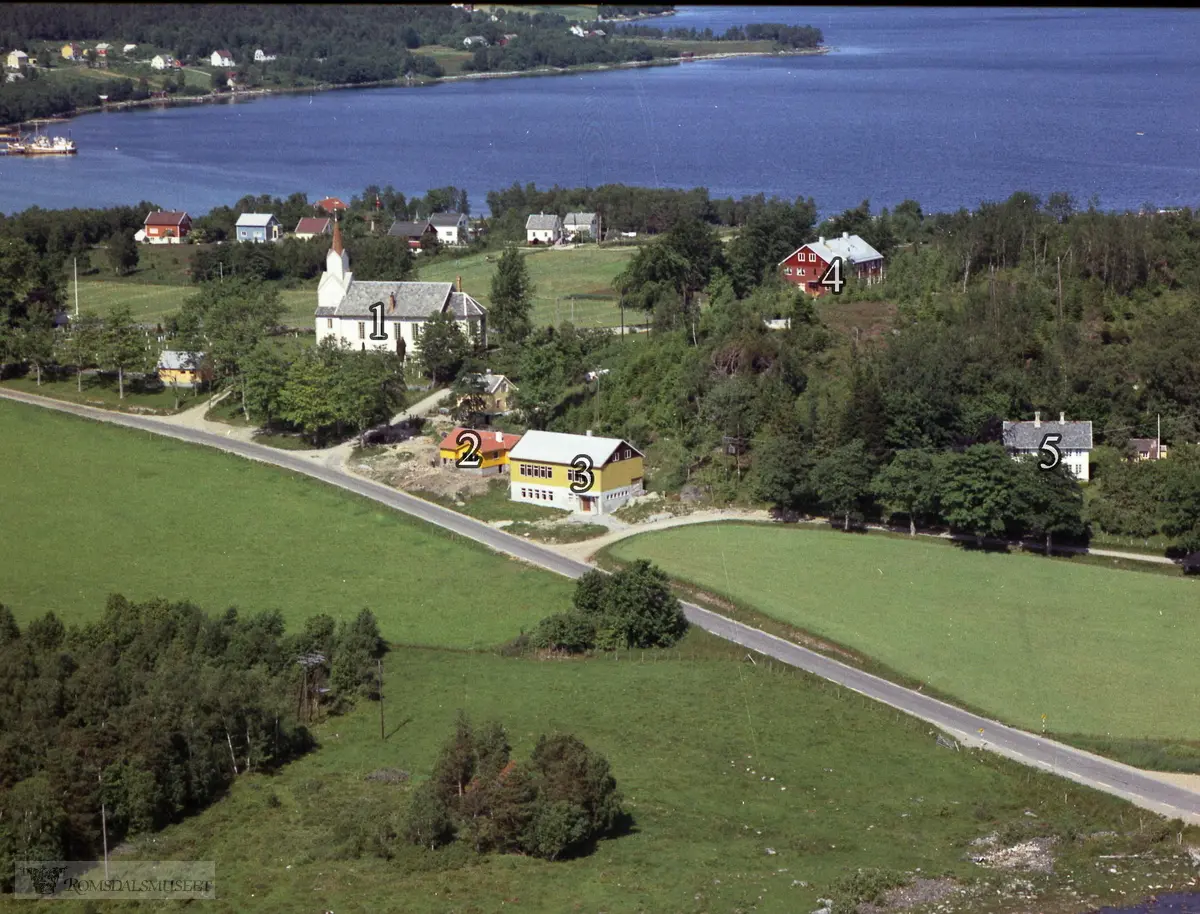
pixel 459 283
pixel 392 303
pixel 1037 420
pixel 589 433
pixel 1062 418
pixel 500 437
pixel 821 240
pixel 846 236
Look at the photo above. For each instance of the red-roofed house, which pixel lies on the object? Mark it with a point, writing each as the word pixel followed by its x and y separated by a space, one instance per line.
pixel 312 226
pixel 167 227
pixel 331 205
pixel 466 446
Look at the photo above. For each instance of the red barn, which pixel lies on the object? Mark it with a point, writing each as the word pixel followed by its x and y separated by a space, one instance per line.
pixel 167 227
pixel 805 266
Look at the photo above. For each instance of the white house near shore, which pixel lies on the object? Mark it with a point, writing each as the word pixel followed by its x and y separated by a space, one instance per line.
pixel 347 308
pixel 221 58
pixel 543 228
pixel 1074 441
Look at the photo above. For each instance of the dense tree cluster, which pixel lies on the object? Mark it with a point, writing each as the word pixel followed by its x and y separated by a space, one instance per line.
pixel 555 805
pixel 152 711
pixel 632 608
pixel 791 37
pixel 625 208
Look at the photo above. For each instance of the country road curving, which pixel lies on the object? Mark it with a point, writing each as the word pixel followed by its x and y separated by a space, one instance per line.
pixel 1141 788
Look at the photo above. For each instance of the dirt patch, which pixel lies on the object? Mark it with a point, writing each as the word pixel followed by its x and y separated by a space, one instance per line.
pixel 1033 855
pixel 918 892
pixel 414 464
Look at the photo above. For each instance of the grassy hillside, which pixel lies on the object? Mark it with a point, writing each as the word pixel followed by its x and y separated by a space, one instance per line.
pixel 718 759
pixel 1097 651
pixel 572 284
pixel 89 509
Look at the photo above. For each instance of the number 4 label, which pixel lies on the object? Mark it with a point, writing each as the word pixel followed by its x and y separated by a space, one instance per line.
pixel 833 280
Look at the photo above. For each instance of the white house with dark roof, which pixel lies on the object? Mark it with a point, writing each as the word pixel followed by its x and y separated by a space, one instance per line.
pixel 577 224
pixel 1074 441
pixel 346 307
pixel 543 228
pixel 221 58
pixel 17 60
pixel 451 227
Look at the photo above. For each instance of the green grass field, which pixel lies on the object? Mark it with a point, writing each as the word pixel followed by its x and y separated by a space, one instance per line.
pixel 1100 652
pixel 568 285
pixel 90 509
pixel 718 760
pixel 103 391
pixel 152 302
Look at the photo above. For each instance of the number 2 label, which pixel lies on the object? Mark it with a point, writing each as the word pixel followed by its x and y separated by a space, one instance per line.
pixel 470 460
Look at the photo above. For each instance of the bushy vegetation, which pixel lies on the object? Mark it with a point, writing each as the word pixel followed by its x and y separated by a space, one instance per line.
pixel 152 711
pixel 553 806
pixel 632 608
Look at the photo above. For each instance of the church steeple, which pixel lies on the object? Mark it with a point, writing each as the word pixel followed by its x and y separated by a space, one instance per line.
pixel 337 236
pixel 335 283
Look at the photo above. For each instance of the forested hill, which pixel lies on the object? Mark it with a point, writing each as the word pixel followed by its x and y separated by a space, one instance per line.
pixel 195 29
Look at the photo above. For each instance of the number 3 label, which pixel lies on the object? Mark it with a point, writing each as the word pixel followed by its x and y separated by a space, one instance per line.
pixel 583 475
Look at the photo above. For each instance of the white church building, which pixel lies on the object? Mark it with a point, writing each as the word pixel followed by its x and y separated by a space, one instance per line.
pixel 349 309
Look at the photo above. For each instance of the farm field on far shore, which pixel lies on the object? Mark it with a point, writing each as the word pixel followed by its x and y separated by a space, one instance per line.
pixel 91 509
pixel 718 762
pixel 1098 651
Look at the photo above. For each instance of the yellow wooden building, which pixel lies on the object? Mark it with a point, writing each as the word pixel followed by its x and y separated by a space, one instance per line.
pixel 182 369
pixel 580 473
pixel 476 451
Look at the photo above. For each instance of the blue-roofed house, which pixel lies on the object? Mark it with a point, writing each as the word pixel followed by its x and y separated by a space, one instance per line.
pixel 258 227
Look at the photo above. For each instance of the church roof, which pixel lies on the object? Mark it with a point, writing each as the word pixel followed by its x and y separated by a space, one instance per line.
pixel 412 300
pixel 336 247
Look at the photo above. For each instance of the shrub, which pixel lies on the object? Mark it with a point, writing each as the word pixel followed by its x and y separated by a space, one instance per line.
pixel 572 632
pixel 639 604
pixel 590 593
pixel 428 823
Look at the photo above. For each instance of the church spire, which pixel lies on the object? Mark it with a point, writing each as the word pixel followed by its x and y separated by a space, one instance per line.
pixel 337 236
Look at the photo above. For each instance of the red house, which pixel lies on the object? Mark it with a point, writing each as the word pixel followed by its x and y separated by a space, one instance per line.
pixel 805 266
pixel 331 205
pixel 166 227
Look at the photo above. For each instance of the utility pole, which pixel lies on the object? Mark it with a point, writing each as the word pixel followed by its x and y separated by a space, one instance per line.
pixel 103 822
pixel 379 671
pixel 76 287
pixel 1158 440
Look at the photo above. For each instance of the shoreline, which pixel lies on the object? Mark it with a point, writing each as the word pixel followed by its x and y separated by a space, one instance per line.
pixel 402 82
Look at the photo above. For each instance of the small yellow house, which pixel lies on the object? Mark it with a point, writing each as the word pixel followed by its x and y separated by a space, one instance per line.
pixel 71 51
pixel 496 391
pixel 182 369
pixel 476 451
pixel 579 473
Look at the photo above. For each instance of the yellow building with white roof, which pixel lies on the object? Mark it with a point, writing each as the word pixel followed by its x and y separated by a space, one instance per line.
pixel 580 473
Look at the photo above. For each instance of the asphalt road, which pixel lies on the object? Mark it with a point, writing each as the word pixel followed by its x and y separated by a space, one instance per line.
pixel 969 729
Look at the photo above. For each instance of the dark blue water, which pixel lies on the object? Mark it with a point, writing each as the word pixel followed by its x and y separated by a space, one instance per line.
pixel 946 106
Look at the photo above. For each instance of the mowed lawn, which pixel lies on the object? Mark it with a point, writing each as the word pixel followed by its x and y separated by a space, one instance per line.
pixel 1098 651
pixel 88 509
pixel 572 284
pixel 718 760
pixel 153 302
